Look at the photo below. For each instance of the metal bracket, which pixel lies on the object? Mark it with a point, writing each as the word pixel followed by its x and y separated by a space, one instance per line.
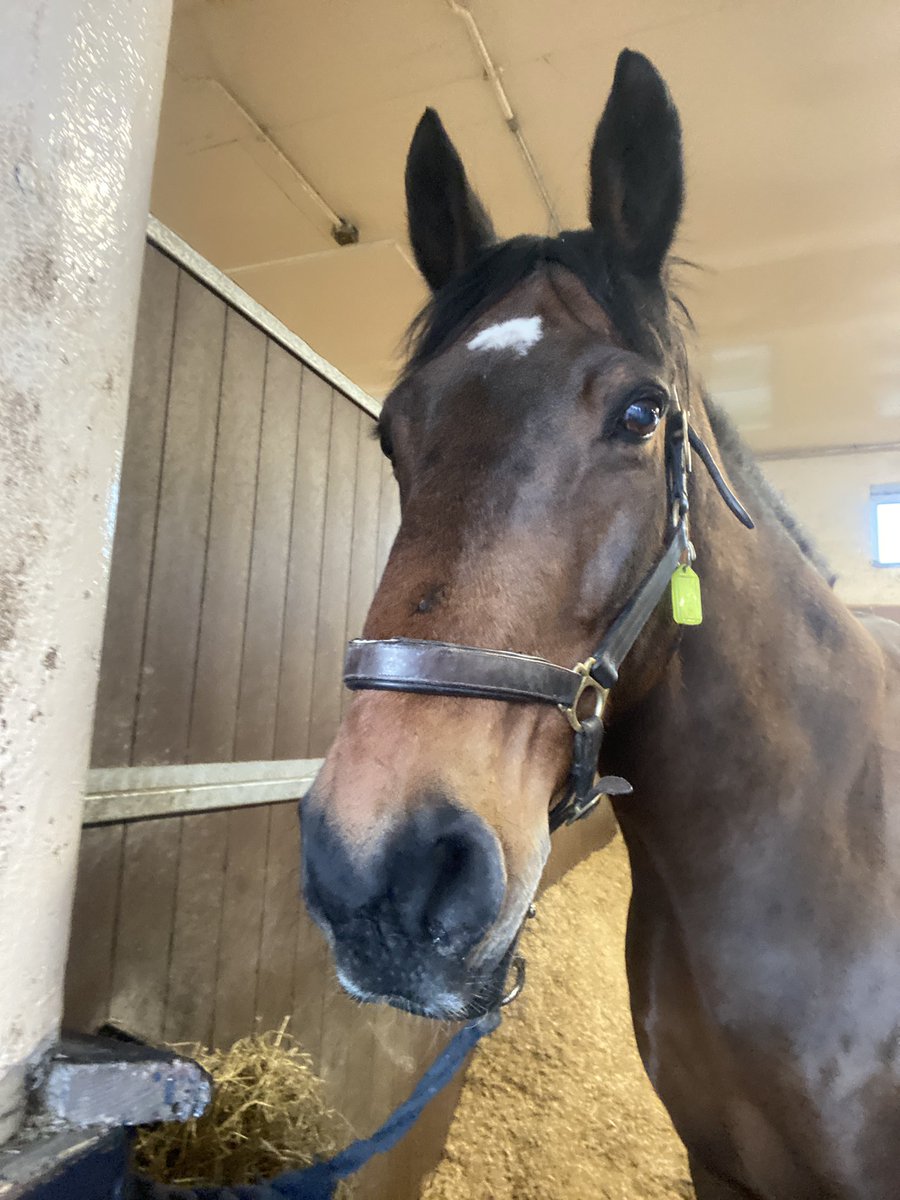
pixel 86 1081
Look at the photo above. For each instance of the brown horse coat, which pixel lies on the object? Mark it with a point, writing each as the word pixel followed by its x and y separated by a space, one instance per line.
pixel 763 947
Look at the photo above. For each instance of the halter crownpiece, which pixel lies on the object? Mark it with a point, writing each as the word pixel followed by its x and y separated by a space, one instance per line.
pixel 448 669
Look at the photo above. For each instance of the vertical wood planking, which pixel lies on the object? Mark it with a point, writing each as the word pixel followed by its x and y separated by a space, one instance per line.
pixel 173 618
pixel 331 623
pixel 136 517
pixel 307 528
pixel 263 627
pixel 221 637
pixel 348 1043
pixel 241 924
pixel 90 964
pixel 281 912
pixel 144 928
pixel 364 548
pixel 312 972
pixel 421 1152
pixel 191 991
pixel 277 885
pixel 252 539
pixel 388 517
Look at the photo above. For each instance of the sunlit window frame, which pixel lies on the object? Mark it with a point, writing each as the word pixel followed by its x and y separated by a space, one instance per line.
pixel 881 493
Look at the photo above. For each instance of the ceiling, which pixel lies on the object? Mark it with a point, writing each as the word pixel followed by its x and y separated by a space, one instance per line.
pixel 277 111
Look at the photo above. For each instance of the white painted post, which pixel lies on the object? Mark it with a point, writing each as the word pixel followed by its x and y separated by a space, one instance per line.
pixel 80 86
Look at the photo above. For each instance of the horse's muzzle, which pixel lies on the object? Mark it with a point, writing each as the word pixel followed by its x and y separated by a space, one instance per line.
pixel 404 917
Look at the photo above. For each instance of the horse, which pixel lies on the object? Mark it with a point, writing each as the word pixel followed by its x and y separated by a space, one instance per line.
pixel 558 463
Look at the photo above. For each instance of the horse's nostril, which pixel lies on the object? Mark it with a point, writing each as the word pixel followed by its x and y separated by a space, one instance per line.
pixel 437 881
pixel 449 877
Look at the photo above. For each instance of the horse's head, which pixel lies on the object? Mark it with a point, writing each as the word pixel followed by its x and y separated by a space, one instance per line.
pixel 525 435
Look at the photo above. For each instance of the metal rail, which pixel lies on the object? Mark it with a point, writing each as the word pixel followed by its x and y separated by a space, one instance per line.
pixel 117 794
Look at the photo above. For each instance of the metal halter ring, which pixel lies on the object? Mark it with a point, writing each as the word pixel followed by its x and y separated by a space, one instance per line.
pixel 587 681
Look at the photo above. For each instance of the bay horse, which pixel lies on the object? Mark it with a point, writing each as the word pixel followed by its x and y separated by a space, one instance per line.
pixel 534 434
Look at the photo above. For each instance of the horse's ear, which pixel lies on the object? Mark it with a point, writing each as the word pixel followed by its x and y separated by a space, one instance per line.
pixel 448 226
pixel 637 171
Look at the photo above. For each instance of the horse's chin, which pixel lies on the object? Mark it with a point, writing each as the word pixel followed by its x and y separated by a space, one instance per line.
pixel 477 998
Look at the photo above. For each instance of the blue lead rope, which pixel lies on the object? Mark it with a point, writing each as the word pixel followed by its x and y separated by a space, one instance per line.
pixel 319 1181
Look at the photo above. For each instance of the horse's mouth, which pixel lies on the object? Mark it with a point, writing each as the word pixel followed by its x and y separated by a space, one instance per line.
pixel 475 999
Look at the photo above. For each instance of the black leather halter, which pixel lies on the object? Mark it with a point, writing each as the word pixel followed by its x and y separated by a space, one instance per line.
pixel 448 669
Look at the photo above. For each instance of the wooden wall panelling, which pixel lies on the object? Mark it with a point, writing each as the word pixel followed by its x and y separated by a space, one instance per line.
pixel 89 969
pixel 403 1047
pixel 347 1043
pixel 388 516
pixel 227 567
pixel 241 925
pixel 295 685
pixel 331 623
pixel 176 584
pixel 281 914
pixel 313 970
pixel 264 621
pixel 194 958
pixel 421 1041
pixel 364 548
pixel 136 516
pixel 144 926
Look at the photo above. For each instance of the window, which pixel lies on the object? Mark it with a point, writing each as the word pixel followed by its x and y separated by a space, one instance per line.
pixel 886 524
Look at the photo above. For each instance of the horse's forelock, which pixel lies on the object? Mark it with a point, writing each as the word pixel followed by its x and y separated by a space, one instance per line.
pixel 642 311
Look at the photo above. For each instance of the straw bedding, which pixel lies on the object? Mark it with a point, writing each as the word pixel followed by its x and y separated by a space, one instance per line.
pixel 556 1105
pixel 268 1115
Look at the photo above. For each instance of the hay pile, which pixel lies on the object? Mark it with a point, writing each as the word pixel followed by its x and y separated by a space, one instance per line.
pixel 556 1105
pixel 267 1115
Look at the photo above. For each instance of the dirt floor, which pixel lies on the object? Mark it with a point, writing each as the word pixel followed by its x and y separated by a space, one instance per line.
pixel 556 1105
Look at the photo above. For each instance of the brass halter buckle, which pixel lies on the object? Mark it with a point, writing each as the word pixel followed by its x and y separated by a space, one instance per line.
pixel 586 683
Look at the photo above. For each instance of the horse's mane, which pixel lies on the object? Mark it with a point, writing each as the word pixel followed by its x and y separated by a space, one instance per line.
pixel 649 317
pixel 743 467
pixel 640 312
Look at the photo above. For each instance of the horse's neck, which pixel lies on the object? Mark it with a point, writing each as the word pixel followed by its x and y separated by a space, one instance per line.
pixel 748 749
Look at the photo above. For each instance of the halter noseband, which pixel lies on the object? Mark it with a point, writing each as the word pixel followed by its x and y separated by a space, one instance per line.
pixel 448 669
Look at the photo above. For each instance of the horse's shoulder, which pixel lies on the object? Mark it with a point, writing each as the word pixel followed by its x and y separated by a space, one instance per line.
pixel 886 634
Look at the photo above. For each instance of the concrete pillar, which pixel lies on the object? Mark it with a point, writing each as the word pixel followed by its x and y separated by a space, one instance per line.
pixel 80 86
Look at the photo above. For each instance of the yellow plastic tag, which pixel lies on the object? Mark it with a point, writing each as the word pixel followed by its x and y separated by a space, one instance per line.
pixel 686 606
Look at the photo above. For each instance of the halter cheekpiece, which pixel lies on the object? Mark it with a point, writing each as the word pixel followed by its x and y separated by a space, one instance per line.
pixel 448 669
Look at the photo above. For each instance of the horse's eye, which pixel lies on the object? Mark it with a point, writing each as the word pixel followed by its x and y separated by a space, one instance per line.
pixel 387 448
pixel 641 418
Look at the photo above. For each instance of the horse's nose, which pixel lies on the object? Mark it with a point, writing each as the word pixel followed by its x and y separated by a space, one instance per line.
pixel 437 880
pixel 448 879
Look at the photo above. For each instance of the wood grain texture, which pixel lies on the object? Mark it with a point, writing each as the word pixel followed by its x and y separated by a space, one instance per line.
pixel 312 978
pixel 140 972
pixel 194 958
pixel 364 547
pixel 388 517
pixel 264 621
pixel 256 517
pixel 295 685
pixel 129 577
pixel 281 911
pixel 241 924
pixel 173 616
pixel 88 987
pixel 227 568
pixel 331 622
